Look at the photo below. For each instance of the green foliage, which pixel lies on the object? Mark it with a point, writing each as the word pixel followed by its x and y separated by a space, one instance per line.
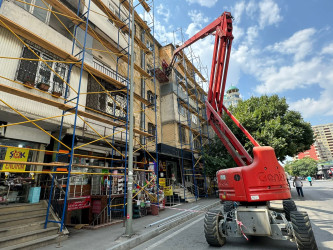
pixel 303 167
pixel 271 123
pixel 216 157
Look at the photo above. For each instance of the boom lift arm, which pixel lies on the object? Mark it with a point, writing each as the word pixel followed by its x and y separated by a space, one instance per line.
pixel 222 29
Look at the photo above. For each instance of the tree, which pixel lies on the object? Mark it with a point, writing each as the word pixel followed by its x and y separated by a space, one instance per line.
pixel 269 120
pixel 303 167
pixel 216 157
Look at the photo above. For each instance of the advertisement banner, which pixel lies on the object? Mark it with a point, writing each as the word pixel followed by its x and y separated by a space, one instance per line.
pixel 85 202
pixel 16 154
pixel 162 182
pixel 168 191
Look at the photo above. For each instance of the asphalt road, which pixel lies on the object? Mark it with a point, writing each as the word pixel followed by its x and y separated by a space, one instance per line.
pixel 318 202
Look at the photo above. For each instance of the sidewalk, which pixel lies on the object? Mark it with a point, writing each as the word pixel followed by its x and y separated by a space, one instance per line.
pixel 112 237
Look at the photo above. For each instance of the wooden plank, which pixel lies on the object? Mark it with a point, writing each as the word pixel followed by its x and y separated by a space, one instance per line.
pixel 62 106
pixel 52 164
pixel 181 66
pixel 190 65
pixel 64 164
pixel 137 18
pixel 194 97
pixel 63 9
pixel 192 110
pixel 19 30
pixel 120 24
pixel 145 5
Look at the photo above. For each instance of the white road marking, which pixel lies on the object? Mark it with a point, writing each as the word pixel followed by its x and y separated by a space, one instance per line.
pixel 173 234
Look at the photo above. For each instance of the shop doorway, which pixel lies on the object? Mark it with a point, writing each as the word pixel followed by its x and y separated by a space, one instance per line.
pixel 173 174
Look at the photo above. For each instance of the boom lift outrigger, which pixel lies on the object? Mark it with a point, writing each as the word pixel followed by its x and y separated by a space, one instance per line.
pixel 245 190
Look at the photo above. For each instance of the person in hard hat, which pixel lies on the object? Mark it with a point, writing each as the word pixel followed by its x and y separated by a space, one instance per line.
pixel 299 186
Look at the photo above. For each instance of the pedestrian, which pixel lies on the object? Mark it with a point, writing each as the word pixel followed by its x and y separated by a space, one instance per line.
pixel 310 180
pixel 299 184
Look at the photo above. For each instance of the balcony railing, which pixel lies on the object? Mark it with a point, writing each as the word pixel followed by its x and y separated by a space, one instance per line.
pixel 109 72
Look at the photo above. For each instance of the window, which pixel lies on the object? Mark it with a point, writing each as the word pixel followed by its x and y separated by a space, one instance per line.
pixel 181 110
pixel 152 131
pixel 38 72
pixel 149 45
pixel 41 14
pixel 194 119
pixel 196 144
pixel 114 103
pixel 182 134
pixel 151 98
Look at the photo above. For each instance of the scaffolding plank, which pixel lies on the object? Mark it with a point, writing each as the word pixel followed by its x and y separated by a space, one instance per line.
pixel 63 9
pixel 181 66
pixel 193 111
pixel 62 106
pixel 120 24
pixel 194 97
pixel 52 164
pixel 19 30
pixel 137 18
pixel 189 64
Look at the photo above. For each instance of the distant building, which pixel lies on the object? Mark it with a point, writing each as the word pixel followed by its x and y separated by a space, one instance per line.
pixel 324 141
pixel 232 97
pixel 312 153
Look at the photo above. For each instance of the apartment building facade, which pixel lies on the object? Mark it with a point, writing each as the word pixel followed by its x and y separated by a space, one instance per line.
pixel 324 141
pixel 41 73
pixel 184 124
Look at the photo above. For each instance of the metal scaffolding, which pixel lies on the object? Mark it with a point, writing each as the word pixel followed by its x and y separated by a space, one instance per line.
pixel 193 83
pixel 103 82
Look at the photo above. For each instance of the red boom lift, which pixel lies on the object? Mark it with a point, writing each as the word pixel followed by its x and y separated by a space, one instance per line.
pixel 245 191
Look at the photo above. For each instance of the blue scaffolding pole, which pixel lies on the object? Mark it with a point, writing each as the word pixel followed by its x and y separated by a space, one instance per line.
pixel 77 98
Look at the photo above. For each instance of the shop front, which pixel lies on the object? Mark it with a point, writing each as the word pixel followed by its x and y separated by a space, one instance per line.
pixel 21 144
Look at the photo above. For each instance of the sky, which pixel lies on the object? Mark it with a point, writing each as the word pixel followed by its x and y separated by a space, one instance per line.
pixel 280 47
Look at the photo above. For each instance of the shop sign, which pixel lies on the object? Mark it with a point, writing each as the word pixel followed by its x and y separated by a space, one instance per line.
pixel 162 182
pixel 17 155
pixel 84 202
pixel 168 191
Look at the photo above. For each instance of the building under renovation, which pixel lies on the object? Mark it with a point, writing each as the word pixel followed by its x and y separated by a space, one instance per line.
pixel 64 105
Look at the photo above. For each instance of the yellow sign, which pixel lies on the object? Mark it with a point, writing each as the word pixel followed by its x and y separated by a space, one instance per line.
pixel 16 154
pixel 162 182
pixel 168 191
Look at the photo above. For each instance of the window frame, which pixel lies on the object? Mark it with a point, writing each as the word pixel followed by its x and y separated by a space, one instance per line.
pixel 45 55
pixel 30 8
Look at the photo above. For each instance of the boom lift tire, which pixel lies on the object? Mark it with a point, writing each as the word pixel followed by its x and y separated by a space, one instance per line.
pixel 228 206
pixel 288 206
pixel 303 233
pixel 212 234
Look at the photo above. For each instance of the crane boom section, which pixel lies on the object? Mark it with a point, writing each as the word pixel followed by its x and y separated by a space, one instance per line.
pixel 222 29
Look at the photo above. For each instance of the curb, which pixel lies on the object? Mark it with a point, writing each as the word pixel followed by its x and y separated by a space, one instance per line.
pixel 139 239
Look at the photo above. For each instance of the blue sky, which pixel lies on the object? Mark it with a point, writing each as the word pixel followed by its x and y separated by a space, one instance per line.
pixel 280 47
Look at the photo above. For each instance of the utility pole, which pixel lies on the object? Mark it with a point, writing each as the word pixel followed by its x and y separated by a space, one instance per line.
pixel 129 228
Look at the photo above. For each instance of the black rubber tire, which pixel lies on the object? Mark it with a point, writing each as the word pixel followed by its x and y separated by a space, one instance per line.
pixel 212 234
pixel 228 206
pixel 303 233
pixel 289 206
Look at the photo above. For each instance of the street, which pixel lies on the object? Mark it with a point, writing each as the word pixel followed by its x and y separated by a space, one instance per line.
pixel 318 202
